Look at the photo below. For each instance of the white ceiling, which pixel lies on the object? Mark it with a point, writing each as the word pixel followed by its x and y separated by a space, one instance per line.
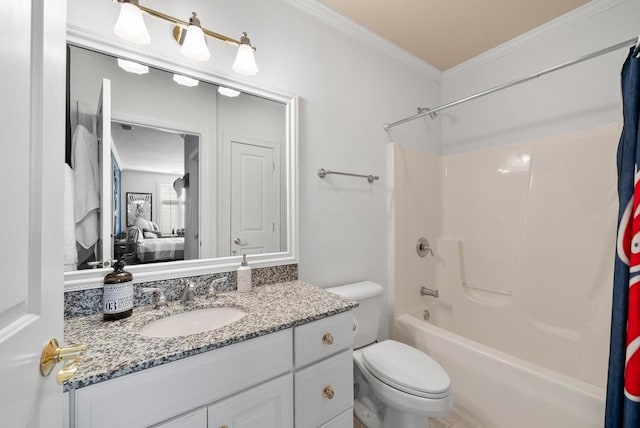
pixel 148 149
pixel 445 33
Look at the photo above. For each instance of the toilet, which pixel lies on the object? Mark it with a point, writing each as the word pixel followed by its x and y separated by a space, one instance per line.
pixel 411 385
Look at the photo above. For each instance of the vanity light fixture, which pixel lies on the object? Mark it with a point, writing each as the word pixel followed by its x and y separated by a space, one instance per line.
pixel 132 67
pixel 194 45
pixel 130 25
pixel 189 35
pixel 185 81
pixel 245 62
pixel 228 92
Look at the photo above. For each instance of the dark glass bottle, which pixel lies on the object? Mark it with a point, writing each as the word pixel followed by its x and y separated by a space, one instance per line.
pixel 117 299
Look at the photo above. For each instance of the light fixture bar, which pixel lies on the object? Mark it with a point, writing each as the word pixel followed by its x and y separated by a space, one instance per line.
pixel 169 18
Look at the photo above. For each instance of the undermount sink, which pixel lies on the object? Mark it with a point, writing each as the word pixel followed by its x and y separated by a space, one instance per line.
pixel 192 322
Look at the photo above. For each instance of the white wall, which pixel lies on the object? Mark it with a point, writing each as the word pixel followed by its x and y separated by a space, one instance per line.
pixel 579 97
pixel 347 91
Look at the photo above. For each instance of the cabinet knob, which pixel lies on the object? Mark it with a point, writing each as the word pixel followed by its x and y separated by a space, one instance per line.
pixel 328 393
pixel 327 339
pixel 224 426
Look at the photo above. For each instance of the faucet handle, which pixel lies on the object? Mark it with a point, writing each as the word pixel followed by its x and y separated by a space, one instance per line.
pixel 159 299
pixel 211 293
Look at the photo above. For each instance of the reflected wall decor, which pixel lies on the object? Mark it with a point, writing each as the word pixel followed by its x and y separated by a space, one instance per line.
pixel 138 205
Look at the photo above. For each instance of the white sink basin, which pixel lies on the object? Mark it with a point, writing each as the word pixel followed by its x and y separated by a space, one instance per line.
pixel 192 322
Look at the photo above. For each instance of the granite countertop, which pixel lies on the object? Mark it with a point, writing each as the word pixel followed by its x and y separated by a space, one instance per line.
pixel 115 348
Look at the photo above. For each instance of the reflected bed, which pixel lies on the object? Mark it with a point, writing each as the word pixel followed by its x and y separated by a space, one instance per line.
pixel 154 249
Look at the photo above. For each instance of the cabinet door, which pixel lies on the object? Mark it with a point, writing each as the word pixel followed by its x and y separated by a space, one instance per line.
pixel 269 405
pixel 324 390
pixel 195 419
pixel 344 420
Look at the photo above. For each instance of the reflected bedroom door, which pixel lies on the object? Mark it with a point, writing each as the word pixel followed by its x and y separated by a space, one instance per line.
pixel 255 198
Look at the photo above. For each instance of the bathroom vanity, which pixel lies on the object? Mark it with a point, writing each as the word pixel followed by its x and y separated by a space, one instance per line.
pixel 287 362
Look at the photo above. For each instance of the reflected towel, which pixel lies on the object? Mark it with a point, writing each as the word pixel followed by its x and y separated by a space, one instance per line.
pixel 84 159
pixel 70 253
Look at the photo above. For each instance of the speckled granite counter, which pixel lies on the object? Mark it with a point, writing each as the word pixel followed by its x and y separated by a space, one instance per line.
pixel 116 348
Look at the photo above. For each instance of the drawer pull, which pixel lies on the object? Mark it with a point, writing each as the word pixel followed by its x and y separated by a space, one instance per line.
pixel 328 393
pixel 224 426
pixel 327 339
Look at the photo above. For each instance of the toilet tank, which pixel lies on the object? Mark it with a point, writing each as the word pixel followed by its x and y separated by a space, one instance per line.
pixel 366 317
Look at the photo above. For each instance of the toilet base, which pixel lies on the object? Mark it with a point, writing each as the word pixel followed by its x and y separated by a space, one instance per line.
pixel 395 418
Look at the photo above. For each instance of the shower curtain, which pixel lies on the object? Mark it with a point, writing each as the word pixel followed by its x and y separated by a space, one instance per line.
pixel 623 385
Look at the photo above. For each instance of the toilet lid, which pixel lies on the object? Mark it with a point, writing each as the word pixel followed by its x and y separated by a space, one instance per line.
pixel 407 369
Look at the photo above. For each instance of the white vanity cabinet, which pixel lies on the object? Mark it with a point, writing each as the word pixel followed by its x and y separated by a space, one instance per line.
pixel 303 375
pixel 161 393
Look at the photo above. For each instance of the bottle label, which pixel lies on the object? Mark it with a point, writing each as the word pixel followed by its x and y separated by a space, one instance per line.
pixel 117 298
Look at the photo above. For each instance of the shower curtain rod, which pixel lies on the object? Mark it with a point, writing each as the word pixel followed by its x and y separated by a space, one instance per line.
pixel 432 112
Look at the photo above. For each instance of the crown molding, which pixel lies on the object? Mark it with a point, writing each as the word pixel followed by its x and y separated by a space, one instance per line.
pixel 357 32
pixel 567 20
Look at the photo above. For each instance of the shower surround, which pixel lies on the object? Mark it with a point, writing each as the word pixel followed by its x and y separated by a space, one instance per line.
pixel 523 238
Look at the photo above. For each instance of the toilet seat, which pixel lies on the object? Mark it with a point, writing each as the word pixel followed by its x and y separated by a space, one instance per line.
pixel 406 369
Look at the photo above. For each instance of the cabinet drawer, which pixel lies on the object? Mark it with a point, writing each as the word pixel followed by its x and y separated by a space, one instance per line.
pixel 324 390
pixel 344 420
pixel 320 339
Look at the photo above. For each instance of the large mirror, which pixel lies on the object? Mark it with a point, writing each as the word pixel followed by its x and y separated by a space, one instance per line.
pixel 174 173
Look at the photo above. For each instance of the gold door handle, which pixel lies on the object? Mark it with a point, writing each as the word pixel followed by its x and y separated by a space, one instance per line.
pixel 327 339
pixel 71 357
pixel 328 393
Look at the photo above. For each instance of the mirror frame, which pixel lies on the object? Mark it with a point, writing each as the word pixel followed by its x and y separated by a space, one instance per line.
pixel 93 278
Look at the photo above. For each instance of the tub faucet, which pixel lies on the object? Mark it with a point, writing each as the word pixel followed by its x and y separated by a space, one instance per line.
pixel 424 291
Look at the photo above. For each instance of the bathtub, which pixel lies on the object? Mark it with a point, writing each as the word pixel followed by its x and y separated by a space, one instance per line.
pixel 500 390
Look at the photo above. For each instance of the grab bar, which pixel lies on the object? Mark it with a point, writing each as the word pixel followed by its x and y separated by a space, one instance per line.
pixel 424 291
pixel 322 173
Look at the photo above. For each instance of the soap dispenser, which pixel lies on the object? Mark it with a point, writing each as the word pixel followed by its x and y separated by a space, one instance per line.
pixel 244 276
pixel 117 299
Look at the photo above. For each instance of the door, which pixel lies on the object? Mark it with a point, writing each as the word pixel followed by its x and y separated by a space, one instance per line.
pixel 105 160
pixel 255 199
pixel 32 148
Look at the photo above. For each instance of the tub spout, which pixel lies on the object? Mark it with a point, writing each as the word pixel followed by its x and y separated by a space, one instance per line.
pixel 424 291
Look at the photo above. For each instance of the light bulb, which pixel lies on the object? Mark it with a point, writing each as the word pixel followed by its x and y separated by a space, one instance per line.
pixel 130 25
pixel 245 62
pixel 194 45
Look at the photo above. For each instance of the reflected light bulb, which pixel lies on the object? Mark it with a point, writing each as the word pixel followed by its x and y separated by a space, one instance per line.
pixel 228 92
pixel 185 81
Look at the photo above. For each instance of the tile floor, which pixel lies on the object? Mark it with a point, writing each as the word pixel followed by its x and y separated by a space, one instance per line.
pixel 457 419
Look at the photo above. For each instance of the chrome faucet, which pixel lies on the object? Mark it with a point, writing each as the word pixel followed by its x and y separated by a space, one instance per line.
pixel 424 291
pixel 212 293
pixel 189 293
